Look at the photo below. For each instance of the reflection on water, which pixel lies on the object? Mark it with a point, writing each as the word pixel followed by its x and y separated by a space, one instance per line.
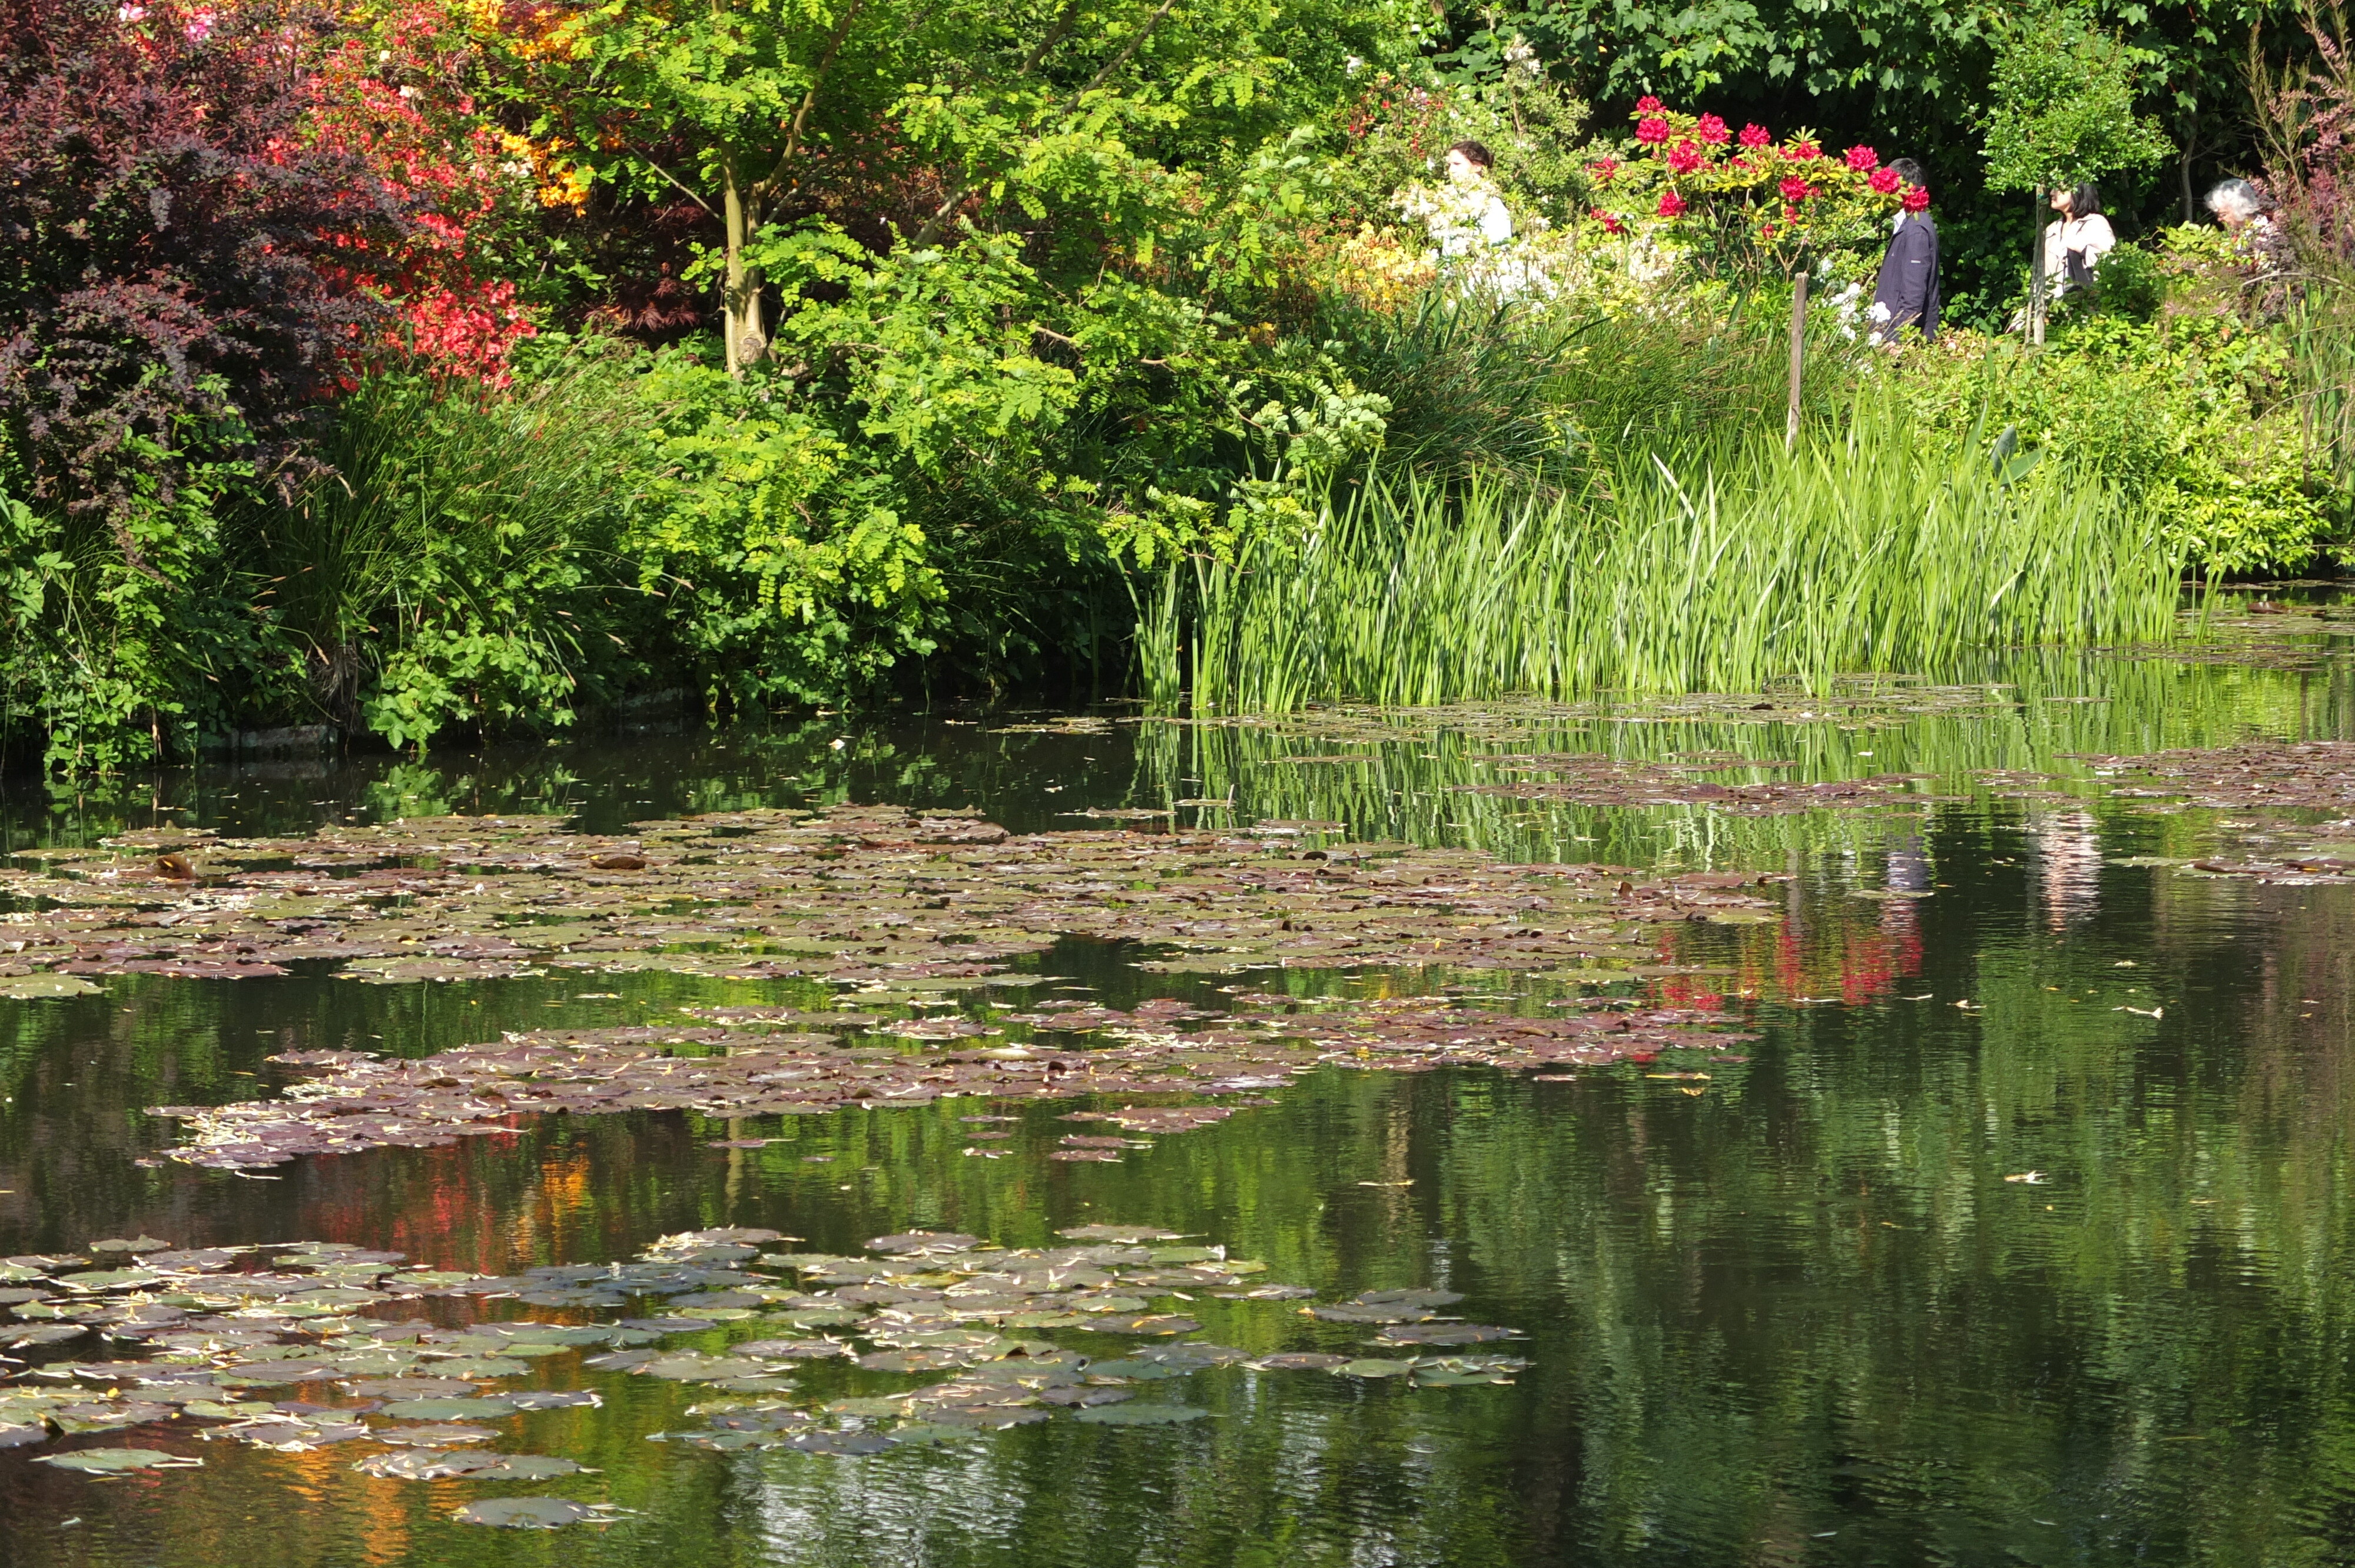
pixel 1802 1313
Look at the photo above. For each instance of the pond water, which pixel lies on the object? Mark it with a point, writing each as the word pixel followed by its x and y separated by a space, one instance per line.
pixel 2018 1229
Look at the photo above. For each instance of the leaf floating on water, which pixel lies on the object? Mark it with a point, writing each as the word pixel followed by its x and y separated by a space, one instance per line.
pixel 1139 1414
pixel 117 1461
pixel 427 1464
pixel 523 1513
pixel 29 988
pixel 1374 1367
pixel 1443 1333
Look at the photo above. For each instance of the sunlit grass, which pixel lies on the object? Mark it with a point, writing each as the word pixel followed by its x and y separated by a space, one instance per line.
pixel 1882 548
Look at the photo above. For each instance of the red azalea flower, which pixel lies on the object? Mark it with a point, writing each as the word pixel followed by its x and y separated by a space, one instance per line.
pixel 1671 205
pixel 1766 230
pixel 1884 181
pixel 1756 136
pixel 1917 198
pixel 1603 168
pixel 1863 160
pixel 1793 188
pixel 1712 129
pixel 1652 128
pixel 1790 214
pixel 1684 157
pixel 1648 105
pixel 1609 221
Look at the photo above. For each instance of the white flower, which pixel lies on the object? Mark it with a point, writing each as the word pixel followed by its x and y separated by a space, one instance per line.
pixel 1354 64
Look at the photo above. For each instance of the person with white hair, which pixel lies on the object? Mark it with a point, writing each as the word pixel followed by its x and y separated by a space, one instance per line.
pixel 2240 209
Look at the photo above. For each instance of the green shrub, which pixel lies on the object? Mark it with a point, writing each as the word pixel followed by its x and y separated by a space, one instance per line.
pixel 2131 283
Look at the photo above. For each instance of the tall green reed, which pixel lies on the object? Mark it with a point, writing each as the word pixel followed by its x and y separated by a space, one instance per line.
pixel 1880 548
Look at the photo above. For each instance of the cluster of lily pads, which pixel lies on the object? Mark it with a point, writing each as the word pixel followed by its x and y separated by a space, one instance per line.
pixel 2316 775
pixel 218 1337
pixel 1598 779
pixel 753 1062
pixel 891 902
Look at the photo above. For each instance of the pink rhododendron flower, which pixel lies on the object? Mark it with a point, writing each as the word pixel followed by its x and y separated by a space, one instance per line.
pixel 1684 157
pixel 1917 198
pixel 1793 188
pixel 1806 150
pixel 1610 221
pixel 1756 136
pixel 1649 105
pixel 1671 205
pixel 1711 130
pixel 1603 168
pixel 1884 181
pixel 1652 128
pixel 1863 160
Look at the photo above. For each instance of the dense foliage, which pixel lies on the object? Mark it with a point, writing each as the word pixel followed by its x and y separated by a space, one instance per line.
pixel 440 370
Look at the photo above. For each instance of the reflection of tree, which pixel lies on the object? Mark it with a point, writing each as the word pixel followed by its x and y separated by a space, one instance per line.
pixel 2065 848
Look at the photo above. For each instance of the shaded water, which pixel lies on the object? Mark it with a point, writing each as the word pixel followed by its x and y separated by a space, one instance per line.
pixel 1800 1316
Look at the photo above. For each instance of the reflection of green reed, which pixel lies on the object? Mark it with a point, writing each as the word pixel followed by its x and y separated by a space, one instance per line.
pixel 1883 550
pixel 1401 773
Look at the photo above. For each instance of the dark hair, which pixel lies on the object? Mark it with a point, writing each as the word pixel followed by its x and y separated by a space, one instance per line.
pixel 2085 200
pixel 1909 171
pixel 1475 153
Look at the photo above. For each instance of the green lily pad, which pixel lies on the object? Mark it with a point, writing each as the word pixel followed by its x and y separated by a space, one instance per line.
pixel 1374 1367
pixel 523 1513
pixel 116 1461
pixel 529 1467
pixel 28 988
pixel 1138 1415
pixel 450 1409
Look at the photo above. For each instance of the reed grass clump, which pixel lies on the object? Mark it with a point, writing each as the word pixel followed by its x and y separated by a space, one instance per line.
pixel 1880 548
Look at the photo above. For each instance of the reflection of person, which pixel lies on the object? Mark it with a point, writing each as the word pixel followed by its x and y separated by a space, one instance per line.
pixel 1481 211
pixel 1906 293
pixel 2075 242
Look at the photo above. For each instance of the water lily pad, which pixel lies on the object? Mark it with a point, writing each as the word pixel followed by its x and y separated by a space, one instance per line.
pixel 28 988
pixel 528 1468
pixel 1374 1367
pixel 523 1513
pixel 439 1435
pixel 1139 1414
pixel 448 1409
pixel 428 1464
pixel 18 1437
pixel 116 1461
pixel 838 1442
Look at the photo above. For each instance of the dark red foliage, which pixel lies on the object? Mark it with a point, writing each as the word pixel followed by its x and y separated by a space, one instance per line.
pixel 164 235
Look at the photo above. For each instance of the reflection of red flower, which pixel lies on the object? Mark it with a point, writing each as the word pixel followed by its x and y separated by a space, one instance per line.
pixel 1711 130
pixel 1603 168
pixel 1684 157
pixel 1793 188
pixel 1609 221
pixel 1917 198
pixel 1863 160
pixel 1649 105
pixel 1671 205
pixel 1755 136
pixel 1884 181
pixel 1652 130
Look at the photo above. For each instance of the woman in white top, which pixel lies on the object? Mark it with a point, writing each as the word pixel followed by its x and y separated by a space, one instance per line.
pixel 1477 215
pixel 2075 242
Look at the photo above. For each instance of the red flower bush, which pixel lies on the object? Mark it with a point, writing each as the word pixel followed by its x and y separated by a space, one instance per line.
pixel 1711 130
pixel 1863 160
pixel 1649 105
pixel 1651 130
pixel 1794 188
pixel 1671 205
pixel 1603 169
pixel 1805 151
pixel 1684 157
pixel 1917 198
pixel 1756 136
pixel 1610 221
pixel 1885 181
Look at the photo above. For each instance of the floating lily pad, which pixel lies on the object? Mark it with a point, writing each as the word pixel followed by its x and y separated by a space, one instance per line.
pixel 523 1513
pixel 1139 1414
pixel 116 1461
pixel 528 1468
pixel 27 987
pixel 1374 1367
pixel 448 1409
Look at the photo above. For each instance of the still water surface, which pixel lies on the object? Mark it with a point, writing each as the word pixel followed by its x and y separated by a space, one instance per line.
pixel 1799 1317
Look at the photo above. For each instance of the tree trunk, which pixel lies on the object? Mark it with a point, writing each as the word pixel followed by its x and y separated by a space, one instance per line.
pixel 1798 354
pixel 747 344
pixel 2036 280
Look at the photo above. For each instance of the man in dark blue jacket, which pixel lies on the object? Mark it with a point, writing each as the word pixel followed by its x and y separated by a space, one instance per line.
pixel 1907 291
